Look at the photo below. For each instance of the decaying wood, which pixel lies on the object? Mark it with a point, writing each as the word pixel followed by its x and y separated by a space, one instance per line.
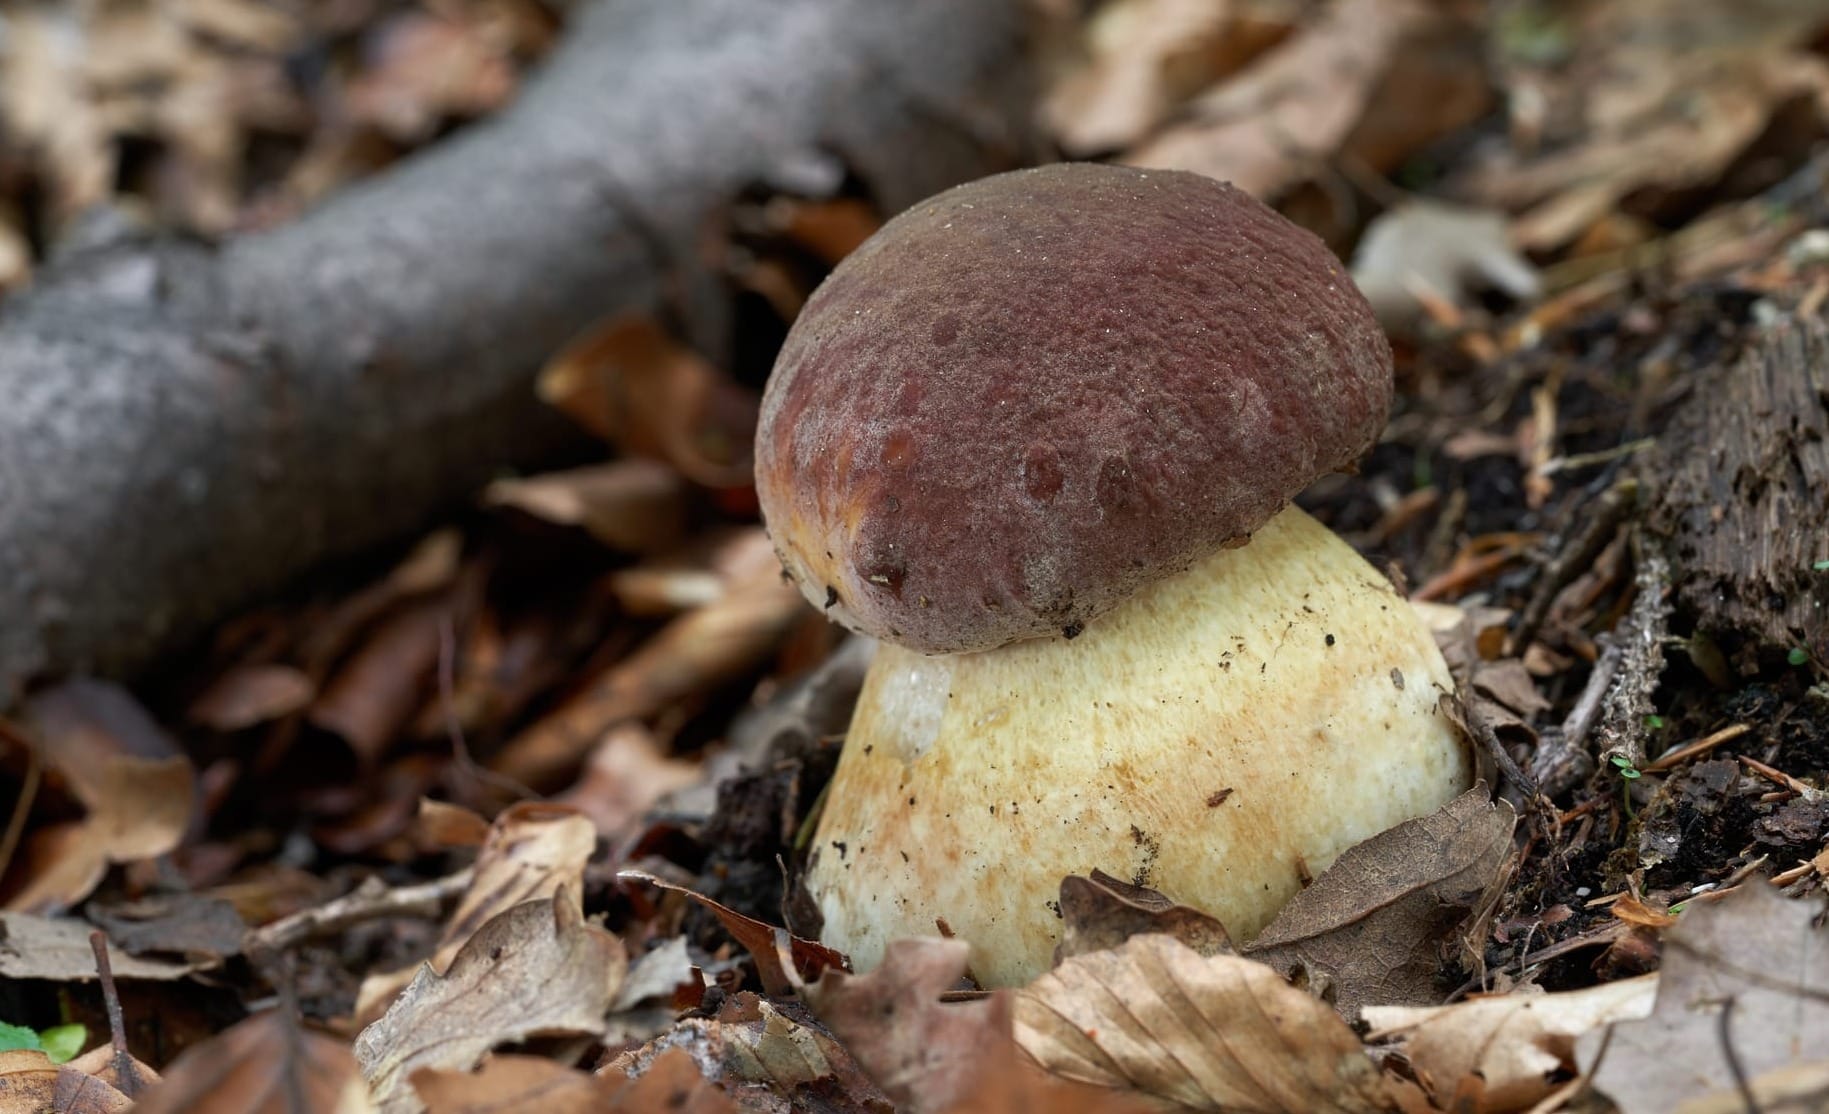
pixel 1743 475
pixel 187 428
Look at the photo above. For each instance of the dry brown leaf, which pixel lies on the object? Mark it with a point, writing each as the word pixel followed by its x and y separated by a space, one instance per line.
pixel 445 825
pixel 136 784
pixel 44 103
pixel 1635 912
pixel 246 23
pixel 15 249
pixel 427 69
pixel 537 969
pixel 633 385
pixel 1516 1043
pixel 671 1082
pixel 534 851
pixel 702 572
pixel 1658 97
pixel 1272 125
pixel 509 1084
pixel 1102 912
pixel 1372 925
pixel 1145 57
pixel 196 927
pixel 658 973
pixel 767 944
pixel 925 1054
pixel 625 776
pixel 102 1063
pixel 249 695
pixel 267 1064
pixel 1747 976
pixel 31 1084
pixel 689 656
pixel 1208 1032
pixel 631 506
pixel 57 949
pixel 929 1055
pixel 374 695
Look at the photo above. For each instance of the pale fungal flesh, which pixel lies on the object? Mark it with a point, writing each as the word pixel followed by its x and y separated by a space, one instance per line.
pixel 1218 735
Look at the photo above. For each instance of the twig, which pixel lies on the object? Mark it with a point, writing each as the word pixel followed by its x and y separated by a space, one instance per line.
pixel 369 901
pixel 1586 713
pixel 1508 766
pixel 1698 748
pixel 127 1077
pixel 1778 776
pixel 1609 512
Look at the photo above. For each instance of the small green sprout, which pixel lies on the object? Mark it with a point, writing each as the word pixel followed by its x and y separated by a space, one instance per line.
pixel 1798 655
pixel 1653 722
pixel 1821 566
pixel 1628 774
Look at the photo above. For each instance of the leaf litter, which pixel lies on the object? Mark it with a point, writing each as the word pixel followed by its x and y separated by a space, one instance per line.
pixel 1583 218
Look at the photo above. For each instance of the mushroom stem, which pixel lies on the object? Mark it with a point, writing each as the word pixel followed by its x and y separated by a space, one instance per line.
pixel 1220 736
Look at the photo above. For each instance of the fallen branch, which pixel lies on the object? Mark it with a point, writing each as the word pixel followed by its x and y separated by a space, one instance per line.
pixel 188 428
pixel 370 901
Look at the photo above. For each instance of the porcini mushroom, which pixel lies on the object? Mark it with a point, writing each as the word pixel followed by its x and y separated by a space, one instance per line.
pixel 1040 435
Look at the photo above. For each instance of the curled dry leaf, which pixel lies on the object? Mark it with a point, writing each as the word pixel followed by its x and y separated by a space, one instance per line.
pixel 506 1084
pixel 57 949
pixel 1516 1043
pixel 1743 990
pixel 783 961
pixel 925 1054
pixel 756 1049
pixel 1102 912
pixel 657 974
pixel 267 1064
pixel 374 694
pixel 1269 127
pixel 625 776
pixel 631 506
pixel 672 1081
pixel 533 851
pixel 136 784
pixel 30 1082
pixel 635 386
pixel 1207 1032
pixel 1146 56
pixel 1371 927
pixel 537 969
pixel 249 695
pixel 693 654
pixel 427 69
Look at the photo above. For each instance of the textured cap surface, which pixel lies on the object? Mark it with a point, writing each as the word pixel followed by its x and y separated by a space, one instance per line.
pixel 1029 395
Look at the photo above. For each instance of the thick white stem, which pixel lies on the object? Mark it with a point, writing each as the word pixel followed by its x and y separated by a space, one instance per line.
pixel 1215 737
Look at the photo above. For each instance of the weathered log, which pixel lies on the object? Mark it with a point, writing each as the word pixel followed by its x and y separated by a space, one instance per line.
pixel 185 428
pixel 1743 480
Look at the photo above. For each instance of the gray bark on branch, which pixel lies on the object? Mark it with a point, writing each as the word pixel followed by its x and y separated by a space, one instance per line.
pixel 184 429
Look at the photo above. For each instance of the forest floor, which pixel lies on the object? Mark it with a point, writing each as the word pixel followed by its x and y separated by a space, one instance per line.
pixel 570 746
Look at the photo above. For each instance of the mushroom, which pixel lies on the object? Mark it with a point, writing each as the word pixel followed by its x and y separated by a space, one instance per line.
pixel 1040 435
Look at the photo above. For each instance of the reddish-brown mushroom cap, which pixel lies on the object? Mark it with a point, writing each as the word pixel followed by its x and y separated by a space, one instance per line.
pixel 1030 395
